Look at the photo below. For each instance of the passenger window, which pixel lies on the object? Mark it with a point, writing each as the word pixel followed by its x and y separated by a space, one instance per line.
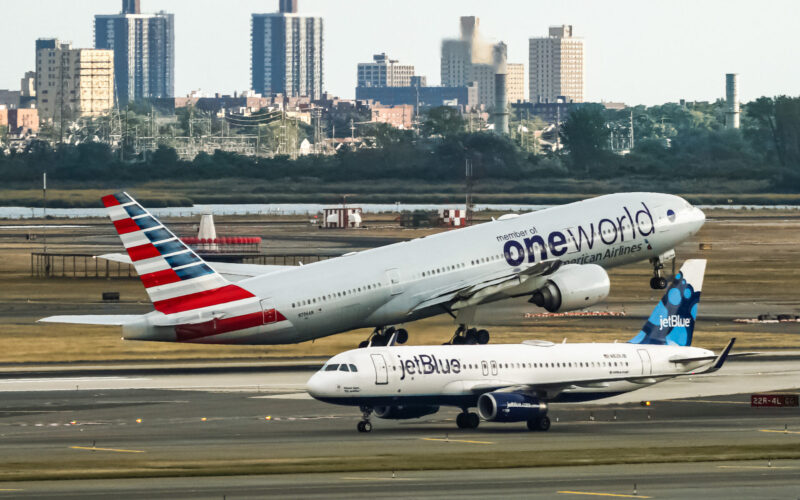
pixel 331 368
pixel 353 368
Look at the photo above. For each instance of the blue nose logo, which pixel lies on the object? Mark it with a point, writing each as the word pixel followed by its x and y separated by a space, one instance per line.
pixel 671 215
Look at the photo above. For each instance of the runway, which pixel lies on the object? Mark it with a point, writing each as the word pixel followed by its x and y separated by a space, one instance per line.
pixel 234 427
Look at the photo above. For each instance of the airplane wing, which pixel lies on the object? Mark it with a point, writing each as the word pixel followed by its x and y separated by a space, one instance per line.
pixel 230 270
pixel 474 292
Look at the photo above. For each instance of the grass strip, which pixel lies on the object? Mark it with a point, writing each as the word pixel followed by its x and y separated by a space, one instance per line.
pixel 100 468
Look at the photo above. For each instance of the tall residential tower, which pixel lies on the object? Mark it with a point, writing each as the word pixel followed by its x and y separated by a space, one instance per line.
pixel 556 67
pixel 286 51
pixel 144 51
pixel 71 83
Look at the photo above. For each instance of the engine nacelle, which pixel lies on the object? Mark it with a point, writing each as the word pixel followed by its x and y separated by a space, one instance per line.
pixel 573 286
pixel 509 407
pixel 403 412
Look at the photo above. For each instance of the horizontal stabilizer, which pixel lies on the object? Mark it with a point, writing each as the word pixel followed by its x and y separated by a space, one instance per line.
pixel 94 319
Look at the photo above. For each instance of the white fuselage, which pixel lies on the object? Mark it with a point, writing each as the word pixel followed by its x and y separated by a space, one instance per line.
pixel 379 287
pixel 458 374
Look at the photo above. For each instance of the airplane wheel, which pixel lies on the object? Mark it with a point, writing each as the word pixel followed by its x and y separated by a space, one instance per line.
pixel 363 344
pixel 662 283
pixel 379 340
pixel 459 340
pixel 483 337
pixel 402 336
pixel 461 420
pixel 364 426
pixel 473 420
pixel 539 424
pixel 471 337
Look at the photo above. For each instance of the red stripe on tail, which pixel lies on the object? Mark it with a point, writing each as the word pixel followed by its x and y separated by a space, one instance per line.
pixel 146 251
pixel 157 278
pixel 222 295
pixel 110 200
pixel 125 226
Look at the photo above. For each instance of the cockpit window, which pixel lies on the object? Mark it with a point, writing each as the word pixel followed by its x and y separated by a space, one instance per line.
pixel 332 367
pixel 343 368
pixel 353 368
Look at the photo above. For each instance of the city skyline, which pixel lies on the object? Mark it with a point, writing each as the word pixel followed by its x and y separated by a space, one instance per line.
pixel 636 52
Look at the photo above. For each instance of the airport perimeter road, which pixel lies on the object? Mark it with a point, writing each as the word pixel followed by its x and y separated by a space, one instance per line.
pixel 708 480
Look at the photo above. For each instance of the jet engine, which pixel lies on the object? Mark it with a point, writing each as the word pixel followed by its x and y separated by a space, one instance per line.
pixel 510 407
pixel 403 412
pixel 573 286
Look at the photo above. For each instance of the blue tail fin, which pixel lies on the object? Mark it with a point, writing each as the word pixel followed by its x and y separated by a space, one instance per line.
pixel 672 321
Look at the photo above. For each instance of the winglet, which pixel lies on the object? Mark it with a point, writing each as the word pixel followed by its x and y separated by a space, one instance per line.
pixel 722 357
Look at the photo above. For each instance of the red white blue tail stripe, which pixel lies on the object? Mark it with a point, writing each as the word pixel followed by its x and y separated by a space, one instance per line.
pixel 176 279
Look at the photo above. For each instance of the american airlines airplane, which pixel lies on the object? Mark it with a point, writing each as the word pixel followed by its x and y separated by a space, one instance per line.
pixel 557 257
pixel 515 383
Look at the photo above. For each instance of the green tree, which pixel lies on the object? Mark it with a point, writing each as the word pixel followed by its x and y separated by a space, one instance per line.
pixel 444 121
pixel 585 135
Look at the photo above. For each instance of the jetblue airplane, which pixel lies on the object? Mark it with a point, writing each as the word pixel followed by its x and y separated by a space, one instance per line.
pixel 557 257
pixel 515 383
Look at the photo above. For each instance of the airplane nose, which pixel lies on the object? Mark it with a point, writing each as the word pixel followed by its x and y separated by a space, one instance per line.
pixel 699 217
pixel 315 385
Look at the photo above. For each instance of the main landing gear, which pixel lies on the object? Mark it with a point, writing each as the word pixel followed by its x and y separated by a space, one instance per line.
pixel 659 282
pixel 467 420
pixel 539 424
pixel 465 335
pixel 365 425
pixel 381 336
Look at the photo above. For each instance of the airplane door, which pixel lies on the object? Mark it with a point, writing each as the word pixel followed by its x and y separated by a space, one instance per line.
pixel 394 281
pixel 268 310
pixel 494 367
pixel 485 367
pixel 381 373
pixel 647 365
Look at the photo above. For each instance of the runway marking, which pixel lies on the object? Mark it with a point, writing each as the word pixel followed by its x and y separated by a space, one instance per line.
pixel 778 431
pixel 65 379
pixel 709 401
pixel 595 494
pixel 457 440
pixel 752 467
pixel 118 450
pixel 353 478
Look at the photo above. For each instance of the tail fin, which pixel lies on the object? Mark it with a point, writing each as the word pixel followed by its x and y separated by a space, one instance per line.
pixel 672 321
pixel 175 278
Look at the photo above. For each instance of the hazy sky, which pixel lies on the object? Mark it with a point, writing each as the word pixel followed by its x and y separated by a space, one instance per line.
pixel 637 51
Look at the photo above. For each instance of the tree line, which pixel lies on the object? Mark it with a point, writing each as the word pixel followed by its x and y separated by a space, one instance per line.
pixel 671 141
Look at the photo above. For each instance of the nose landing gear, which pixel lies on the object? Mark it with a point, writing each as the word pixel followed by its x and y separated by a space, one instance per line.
pixel 659 282
pixel 365 425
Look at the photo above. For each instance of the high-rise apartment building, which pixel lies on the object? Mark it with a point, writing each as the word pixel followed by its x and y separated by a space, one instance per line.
pixel 384 72
pixel 556 66
pixel 515 82
pixel 144 51
pixel 71 83
pixel 470 59
pixel 286 53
